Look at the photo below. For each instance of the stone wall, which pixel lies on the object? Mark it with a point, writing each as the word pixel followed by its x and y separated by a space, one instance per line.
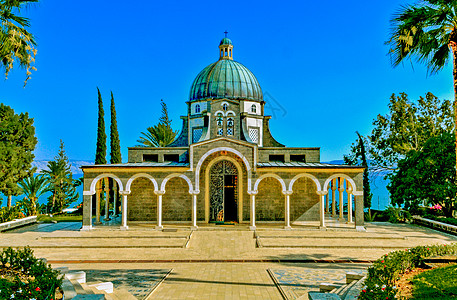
pixel 269 201
pixel 303 201
pixel 177 202
pixel 142 202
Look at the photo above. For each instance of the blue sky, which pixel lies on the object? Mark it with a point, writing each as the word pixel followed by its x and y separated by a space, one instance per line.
pixel 323 62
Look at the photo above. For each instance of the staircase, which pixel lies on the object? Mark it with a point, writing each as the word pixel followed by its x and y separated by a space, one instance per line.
pixel 75 287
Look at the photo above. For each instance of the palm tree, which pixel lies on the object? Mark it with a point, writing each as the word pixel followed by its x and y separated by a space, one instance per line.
pixel 33 187
pixel 158 135
pixel 427 32
pixel 16 43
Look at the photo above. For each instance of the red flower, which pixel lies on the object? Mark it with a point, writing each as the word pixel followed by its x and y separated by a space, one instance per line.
pixel 385 266
pixel 382 261
pixel 364 291
pixel 37 289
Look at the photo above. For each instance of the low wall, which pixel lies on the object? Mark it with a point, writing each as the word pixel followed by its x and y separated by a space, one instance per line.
pixel 17 223
pixel 435 225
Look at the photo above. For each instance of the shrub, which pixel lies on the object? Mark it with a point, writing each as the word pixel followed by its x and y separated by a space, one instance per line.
pixel 9 214
pixel 382 275
pixel 25 277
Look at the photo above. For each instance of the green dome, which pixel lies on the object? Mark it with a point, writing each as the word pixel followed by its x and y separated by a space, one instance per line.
pixel 226 41
pixel 226 79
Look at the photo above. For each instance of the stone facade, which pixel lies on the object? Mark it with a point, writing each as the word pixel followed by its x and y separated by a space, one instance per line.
pixel 225 121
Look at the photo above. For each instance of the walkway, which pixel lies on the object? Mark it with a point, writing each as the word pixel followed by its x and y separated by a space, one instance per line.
pixel 220 262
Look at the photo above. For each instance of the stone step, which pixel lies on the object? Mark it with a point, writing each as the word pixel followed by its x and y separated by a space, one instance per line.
pixel 81 288
pixel 106 287
pixel 80 276
pixel 352 276
pixel 69 290
pixel 354 292
pixel 326 287
pixel 343 291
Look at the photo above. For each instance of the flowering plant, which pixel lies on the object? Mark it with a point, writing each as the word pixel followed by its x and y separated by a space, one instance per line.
pixel 22 276
pixel 383 274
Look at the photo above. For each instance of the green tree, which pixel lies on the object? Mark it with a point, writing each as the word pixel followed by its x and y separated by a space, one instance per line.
pixel 426 175
pixel 17 142
pixel 115 144
pixel 100 153
pixel 61 182
pixel 16 42
pixel 407 126
pixel 32 188
pixel 358 157
pixel 427 31
pixel 159 135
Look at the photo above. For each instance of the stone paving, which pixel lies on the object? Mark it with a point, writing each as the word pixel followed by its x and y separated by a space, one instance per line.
pixel 218 263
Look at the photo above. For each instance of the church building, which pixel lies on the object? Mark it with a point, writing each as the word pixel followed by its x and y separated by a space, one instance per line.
pixel 225 167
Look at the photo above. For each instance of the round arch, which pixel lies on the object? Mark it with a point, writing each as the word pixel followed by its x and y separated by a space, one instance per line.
pixel 351 181
pixel 281 181
pixel 104 175
pixel 239 168
pixel 231 150
pixel 314 179
pixel 144 175
pixel 173 175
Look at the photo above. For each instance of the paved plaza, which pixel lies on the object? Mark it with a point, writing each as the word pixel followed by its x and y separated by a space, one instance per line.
pixel 217 262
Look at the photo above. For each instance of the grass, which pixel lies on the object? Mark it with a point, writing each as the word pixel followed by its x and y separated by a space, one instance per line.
pixel 439 283
pixel 60 218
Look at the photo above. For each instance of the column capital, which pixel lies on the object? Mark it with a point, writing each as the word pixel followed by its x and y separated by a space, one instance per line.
pixel 341 189
pixel 196 192
pixel 159 192
pixel 322 193
pixel 124 193
pixel 88 193
pixel 287 193
pixel 253 193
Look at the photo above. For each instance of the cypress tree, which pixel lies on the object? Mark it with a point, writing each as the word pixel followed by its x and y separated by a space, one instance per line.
pixel 367 195
pixel 115 144
pixel 100 154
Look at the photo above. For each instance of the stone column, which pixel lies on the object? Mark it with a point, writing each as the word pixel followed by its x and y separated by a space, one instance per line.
pixel 159 209
pixel 87 211
pixel 349 191
pixel 341 190
pixel 252 193
pixel 359 217
pixel 115 200
pixel 287 209
pixel 327 208
pixel 124 210
pixel 333 187
pixel 107 201
pixel 194 210
pixel 321 209
pixel 97 203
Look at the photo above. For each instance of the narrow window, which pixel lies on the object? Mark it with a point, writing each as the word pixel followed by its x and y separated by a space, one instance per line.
pixel 150 157
pixel 230 122
pixel 197 108
pixel 298 158
pixel 225 107
pixel 171 157
pixel 276 157
pixel 253 109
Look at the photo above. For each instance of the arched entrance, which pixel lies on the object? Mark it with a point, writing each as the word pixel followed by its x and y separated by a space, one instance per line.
pixel 223 191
